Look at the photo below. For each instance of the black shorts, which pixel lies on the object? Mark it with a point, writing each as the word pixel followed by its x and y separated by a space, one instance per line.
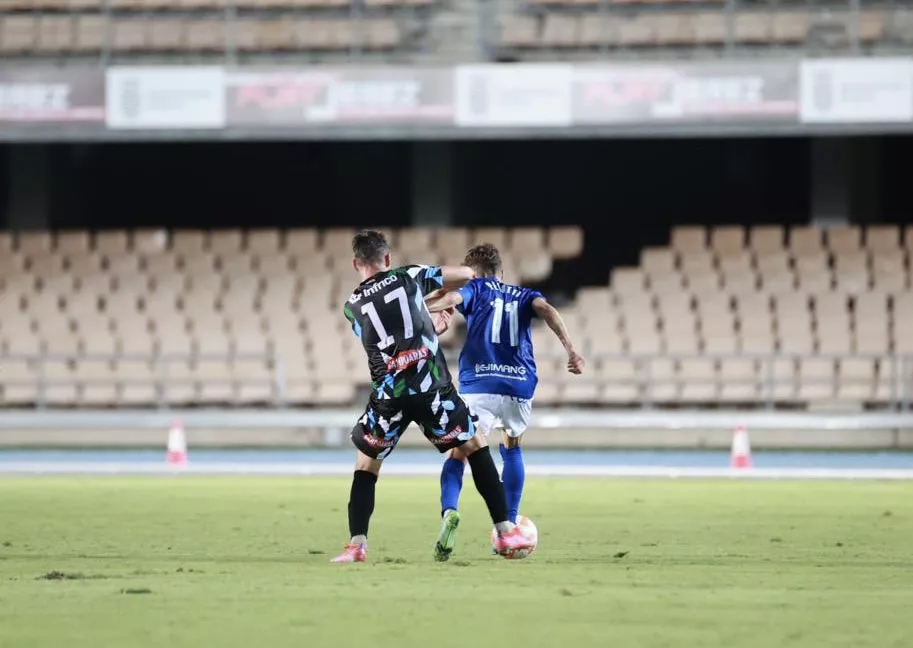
pixel 444 417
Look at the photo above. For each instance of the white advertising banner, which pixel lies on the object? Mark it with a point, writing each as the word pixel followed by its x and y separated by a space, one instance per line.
pixel 847 91
pixel 166 98
pixel 513 95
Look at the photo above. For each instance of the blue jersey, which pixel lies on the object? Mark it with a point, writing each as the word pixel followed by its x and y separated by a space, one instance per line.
pixel 498 355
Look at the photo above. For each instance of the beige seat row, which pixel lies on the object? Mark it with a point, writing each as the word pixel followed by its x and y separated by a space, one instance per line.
pixel 90 34
pixel 752 323
pixel 705 381
pixel 813 261
pixel 693 29
pixel 137 382
pixel 234 268
pixel 562 242
pixel 735 240
pixel 192 5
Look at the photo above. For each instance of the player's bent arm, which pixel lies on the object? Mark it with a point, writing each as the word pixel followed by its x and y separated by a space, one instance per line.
pixel 552 317
pixel 437 294
pixel 456 276
pixel 441 300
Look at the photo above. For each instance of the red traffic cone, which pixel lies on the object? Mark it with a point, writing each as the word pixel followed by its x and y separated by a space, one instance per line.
pixel 177 445
pixel 741 448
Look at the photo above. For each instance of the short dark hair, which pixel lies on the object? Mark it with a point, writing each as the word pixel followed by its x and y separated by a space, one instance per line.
pixel 484 259
pixel 370 247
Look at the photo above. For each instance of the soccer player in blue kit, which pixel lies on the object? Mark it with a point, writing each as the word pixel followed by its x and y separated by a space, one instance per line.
pixel 497 373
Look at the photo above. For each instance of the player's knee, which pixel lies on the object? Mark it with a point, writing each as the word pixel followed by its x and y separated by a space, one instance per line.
pixel 477 442
pixel 510 441
pixel 456 453
pixel 366 463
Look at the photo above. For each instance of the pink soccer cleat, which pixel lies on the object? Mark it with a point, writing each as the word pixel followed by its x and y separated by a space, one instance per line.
pixel 353 553
pixel 514 544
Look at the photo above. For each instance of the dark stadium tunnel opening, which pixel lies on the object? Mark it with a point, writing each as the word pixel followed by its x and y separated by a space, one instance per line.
pixel 626 193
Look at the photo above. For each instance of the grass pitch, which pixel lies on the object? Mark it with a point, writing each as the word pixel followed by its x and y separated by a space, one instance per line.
pixel 220 562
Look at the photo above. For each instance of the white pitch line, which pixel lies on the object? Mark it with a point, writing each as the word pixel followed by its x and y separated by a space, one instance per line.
pixel 336 469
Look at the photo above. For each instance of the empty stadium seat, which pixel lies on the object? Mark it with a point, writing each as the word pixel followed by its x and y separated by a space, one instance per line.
pixel 843 240
pixel 728 241
pixel 766 239
pixel 738 380
pixel 882 238
pixel 805 242
pixel 565 242
pixel 688 240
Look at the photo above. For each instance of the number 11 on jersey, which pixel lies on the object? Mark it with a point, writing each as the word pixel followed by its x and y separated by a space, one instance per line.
pixel 513 321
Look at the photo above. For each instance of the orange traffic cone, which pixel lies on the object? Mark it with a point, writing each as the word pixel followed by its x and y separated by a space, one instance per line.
pixel 177 445
pixel 741 448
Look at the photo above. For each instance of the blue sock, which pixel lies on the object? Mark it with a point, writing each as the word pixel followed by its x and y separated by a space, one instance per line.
pixel 451 484
pixel 513 475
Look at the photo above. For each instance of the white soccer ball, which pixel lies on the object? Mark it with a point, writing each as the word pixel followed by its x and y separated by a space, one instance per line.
pixel 527 529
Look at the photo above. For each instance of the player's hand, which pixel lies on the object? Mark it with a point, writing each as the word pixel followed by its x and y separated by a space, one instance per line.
pixel 575 363
pixel 442 320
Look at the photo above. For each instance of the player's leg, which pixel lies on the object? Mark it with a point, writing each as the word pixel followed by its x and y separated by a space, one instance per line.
pixel 451 485
pixel 361 507
pixel 452 481
pixel 450 424
pixel 515 414
pixel 455 463
pixel 513 472
pixel 375 435
pixel 488 483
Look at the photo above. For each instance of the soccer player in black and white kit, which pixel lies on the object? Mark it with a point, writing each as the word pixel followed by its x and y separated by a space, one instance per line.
pixel 411 383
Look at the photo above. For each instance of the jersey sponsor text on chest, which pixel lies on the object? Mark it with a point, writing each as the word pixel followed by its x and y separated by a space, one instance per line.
pixel 482 368
pixel 370 290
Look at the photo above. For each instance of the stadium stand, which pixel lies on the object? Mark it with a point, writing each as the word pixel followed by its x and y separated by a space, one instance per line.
pixel 101 29
pixel 568 28
pixel 194 317
pixel 804 317
pixel 326 29
pixel 815 317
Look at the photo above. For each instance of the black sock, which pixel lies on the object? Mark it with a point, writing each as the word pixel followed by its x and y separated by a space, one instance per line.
pixel 361 502
pixel 485 476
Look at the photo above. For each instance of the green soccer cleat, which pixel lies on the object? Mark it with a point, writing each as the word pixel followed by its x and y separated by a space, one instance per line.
pixel 447 536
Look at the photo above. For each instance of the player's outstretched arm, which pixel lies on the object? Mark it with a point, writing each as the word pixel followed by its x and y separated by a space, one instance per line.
pixel 552 317
pixel 456 276
pixel 441 300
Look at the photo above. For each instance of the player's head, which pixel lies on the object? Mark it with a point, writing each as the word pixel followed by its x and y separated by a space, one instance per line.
pixel 371 252
pixel 485 260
